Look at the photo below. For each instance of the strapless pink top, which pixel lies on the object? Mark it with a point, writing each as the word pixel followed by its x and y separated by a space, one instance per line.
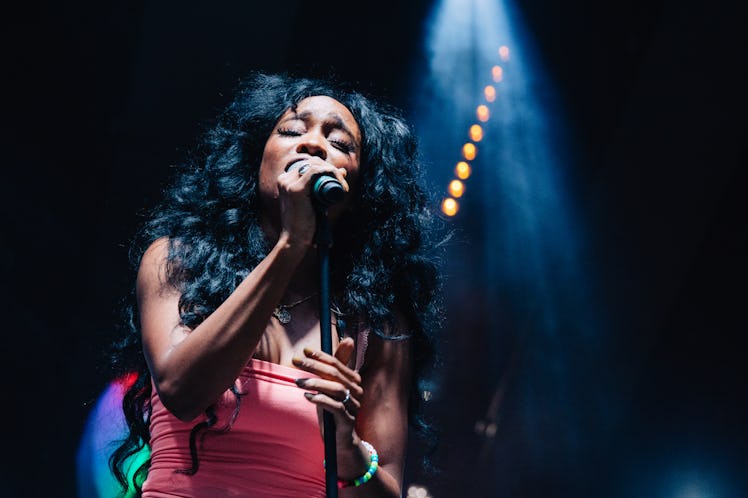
pixel 273 448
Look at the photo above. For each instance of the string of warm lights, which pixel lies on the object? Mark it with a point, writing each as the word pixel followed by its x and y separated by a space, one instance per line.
pixel 456 188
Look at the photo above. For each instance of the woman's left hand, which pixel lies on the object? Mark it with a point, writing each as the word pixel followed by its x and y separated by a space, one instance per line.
pixel 387 384
pixel 337 388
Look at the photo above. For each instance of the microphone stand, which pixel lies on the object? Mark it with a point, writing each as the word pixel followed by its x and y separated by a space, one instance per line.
pixel 324 242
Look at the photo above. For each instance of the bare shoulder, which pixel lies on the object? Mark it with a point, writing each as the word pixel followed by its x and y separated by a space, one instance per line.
pixel 158 305
pixel 390 352
pixel 152 275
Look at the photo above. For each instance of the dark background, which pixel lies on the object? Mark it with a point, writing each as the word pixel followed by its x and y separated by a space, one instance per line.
pixel 100 98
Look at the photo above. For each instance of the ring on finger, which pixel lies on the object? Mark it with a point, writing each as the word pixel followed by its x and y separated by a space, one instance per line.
pixel 347 396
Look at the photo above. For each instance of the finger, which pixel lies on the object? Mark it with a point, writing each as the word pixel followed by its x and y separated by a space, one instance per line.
pixel 303 172
pixel 291 182
pixel 315 170
pixel 348 379
pixel 348 397
pixel 341 174
pixel 344 351
pixel 326 366
pixel 335 407
pixel 298 171
pixel 299 167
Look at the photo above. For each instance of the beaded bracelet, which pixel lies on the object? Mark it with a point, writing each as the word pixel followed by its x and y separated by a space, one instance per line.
pixel 373 466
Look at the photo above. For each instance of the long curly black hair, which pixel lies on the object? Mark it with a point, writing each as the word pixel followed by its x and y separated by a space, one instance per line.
pixel 384 259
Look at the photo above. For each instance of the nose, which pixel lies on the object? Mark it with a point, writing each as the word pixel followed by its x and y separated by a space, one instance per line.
pixel 312 143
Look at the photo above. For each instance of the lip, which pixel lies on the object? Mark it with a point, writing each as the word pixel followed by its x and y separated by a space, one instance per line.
pixel 294 161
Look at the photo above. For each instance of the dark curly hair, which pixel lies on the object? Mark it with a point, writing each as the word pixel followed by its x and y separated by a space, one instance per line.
pixel 383 267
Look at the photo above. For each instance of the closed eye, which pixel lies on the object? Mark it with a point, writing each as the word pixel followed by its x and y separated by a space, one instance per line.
pixel 344 146
pixel 289 132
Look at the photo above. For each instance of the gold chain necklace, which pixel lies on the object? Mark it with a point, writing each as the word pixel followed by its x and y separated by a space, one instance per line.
pixel 281 311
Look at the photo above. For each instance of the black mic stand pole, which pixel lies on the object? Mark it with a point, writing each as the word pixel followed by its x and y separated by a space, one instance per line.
pixel 324 242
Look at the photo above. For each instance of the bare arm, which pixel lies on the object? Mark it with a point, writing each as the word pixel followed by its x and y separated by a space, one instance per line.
pixel 383 419
pixel 191 368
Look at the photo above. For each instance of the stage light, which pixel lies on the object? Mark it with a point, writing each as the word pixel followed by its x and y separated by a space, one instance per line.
pixel 456 188
pixel 469 151
pixel 476 133
pixel 463 170
pixel 450 206
pixel 418 491
pixel 497 73
pixel 485 428
pixel 104 426
pixel 530 232
pixel 504 53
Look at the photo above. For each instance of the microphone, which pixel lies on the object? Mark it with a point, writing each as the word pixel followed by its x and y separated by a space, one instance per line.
pixel 326 191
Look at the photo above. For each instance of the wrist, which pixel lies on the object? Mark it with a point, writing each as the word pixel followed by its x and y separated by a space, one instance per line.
pixel 353 458
pixel 292 246
pixel 372 465
pixel 371 470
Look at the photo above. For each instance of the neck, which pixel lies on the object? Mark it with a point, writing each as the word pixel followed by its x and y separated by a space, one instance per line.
pixel 305 280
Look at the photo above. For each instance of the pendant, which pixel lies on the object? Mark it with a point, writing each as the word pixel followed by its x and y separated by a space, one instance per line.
pixel 282 314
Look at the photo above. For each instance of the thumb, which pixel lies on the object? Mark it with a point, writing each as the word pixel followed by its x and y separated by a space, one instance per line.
pixel 344 352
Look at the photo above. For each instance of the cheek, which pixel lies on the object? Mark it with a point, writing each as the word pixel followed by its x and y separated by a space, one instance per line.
pixel 267 181
pixel 268 184
pixel 268 176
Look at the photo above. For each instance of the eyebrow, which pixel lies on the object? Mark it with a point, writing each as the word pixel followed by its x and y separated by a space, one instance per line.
pixel 336 120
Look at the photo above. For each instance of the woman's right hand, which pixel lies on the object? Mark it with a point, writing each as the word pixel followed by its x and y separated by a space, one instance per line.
pixel 298 217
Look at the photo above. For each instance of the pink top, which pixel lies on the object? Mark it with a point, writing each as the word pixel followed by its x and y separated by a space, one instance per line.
pixel 273 449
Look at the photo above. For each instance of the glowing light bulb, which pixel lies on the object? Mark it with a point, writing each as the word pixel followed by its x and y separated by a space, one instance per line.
pixel 490 93
pixel 463 170
pixel 456 188
pixel 497 72
pixel 504 53
pixel 468 151
pixel 450 206
pixel 482 113
pixel 476 133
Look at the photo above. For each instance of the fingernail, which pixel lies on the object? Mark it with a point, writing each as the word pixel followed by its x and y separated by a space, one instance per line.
pixel 309 352
pixel 308 396
pixel 296 361
pixel 300 382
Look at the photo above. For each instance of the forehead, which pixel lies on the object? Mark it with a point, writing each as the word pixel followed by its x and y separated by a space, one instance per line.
pixel 324 108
